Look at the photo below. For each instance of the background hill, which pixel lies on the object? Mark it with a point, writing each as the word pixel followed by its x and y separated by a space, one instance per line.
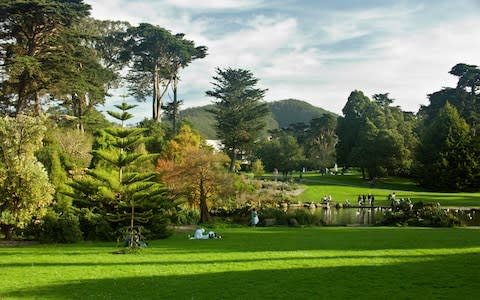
pixel 282 114
pixel 291 111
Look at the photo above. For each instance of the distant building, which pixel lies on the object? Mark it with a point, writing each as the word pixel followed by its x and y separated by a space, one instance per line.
pixel 215 144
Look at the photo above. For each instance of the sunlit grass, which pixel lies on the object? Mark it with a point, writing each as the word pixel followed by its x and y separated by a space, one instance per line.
pixel 349 186
pixel 260 263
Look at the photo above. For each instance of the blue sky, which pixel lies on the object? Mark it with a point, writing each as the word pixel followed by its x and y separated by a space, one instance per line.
pixel 316 51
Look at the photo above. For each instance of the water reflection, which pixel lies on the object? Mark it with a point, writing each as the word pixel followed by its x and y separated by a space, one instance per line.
pixel 369 216
pixel 346 216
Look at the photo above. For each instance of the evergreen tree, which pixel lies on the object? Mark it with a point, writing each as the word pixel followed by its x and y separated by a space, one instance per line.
pixel 375 136
pixel 116 188
pixel 182 54
pixel 155 57
pixel 320 141
pixel 78 79
pixel 282 153
pixel 447 158
pixel 239 111
pixel 28 32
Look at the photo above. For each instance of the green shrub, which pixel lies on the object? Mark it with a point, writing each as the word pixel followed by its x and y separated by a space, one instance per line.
pixel 279 215
pixel 59 228
pixel 158 227
pixel 306 217
pixel 186 216
pixel 419 214
pixel 95 227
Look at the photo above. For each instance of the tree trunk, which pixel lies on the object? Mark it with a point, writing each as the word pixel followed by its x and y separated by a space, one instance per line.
pixel 132 221
pixel 38 106
pixel 157 103
pixel 8 232
pixel 233 160
pixel 22 96
pixel 204 215
pixel 77 108
pixel 175 105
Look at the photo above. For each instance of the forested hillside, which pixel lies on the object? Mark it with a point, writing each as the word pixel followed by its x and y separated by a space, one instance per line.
pixel 282 114
pixel 291 111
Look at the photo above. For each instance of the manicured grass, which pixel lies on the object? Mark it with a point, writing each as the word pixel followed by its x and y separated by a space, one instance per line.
pixel 349 186
pixel 256 263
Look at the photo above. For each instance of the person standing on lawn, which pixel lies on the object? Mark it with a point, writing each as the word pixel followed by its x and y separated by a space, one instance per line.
pixel 254 218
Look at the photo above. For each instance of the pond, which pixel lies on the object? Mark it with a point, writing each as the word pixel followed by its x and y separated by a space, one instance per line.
pixel 368 216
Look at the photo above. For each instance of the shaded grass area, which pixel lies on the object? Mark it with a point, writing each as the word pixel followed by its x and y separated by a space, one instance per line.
pixel 260 263
pixel 349 186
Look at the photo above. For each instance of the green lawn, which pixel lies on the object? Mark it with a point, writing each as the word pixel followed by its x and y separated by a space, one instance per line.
pixel 349 186
pixel 256 263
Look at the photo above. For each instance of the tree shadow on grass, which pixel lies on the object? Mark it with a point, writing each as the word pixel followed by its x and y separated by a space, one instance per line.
pixel 162 263
pixel 447 277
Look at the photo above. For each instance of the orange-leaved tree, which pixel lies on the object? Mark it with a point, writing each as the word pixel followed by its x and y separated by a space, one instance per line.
pixel 193 172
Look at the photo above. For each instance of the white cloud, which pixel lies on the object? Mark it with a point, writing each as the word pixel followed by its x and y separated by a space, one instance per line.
pixel 395 50
pixel 215 4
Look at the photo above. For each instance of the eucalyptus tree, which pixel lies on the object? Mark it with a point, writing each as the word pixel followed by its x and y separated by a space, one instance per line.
pixel 239 110
pixel 156 56
pixel 27 31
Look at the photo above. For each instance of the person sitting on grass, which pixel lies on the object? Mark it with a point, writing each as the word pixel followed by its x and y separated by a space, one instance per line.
pixel 199 235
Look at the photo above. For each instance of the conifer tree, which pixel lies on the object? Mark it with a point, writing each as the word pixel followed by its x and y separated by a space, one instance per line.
pixel 116 187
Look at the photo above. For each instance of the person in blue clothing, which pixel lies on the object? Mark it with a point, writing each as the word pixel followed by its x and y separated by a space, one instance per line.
pixel 254 218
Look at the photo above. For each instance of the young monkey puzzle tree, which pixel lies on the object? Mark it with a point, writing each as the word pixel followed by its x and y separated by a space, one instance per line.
pixel 129 192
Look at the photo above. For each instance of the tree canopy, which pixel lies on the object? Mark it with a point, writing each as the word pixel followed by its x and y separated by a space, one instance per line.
pixel 239 110
pixel 24 183
pixel 156 56
pixel 29 31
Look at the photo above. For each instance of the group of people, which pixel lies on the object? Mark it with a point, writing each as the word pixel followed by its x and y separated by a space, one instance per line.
pixel 327 199
pixel 366 200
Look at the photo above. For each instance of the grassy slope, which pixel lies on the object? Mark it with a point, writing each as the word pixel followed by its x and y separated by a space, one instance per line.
pixel 349 186
pixel 260 263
